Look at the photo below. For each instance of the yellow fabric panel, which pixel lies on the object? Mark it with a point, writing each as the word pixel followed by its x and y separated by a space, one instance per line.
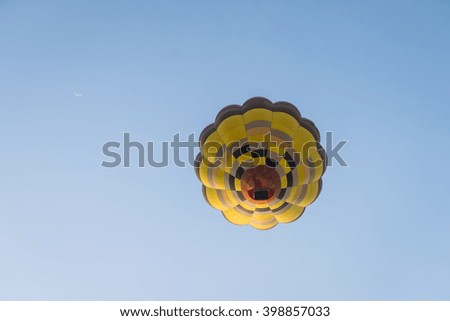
pixel 203 173
pixel 248 206
pixel 258 134
pixel 267 226
pixel 301 137
pixel 245 158
pixel 283 181
pixel 285 123
pixel 259 161
pixel 228 160
pixel 290 215
pixel 276 204
pixel 277 146
pixel 210 147
pixel 220 199
pixel 283 147
pixel 290 194
pixel 294 194
pixel 311 194
pixel 318 164
pixel 263 216
pixel 257 114
pixel 213 199
pixel 231 199
pixel 235 217
pixel 217 174
pixel 312 166
pixel 232 129
pixel 214 136
pixel 263 221
pixel 303 173
pixel 263 205
pixel 237 185
pixel 284 165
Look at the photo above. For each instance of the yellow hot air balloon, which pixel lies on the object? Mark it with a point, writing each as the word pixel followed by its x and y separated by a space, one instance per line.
pixel 260 163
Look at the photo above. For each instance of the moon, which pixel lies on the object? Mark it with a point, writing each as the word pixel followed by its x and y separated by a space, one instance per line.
pixel 77 94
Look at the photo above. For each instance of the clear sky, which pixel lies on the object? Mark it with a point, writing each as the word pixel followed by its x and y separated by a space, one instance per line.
pixel 375 73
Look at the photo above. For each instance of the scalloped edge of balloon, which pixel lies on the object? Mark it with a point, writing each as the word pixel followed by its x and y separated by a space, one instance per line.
pixel 260 102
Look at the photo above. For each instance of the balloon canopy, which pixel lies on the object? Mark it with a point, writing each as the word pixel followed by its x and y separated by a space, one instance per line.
pixel 260 163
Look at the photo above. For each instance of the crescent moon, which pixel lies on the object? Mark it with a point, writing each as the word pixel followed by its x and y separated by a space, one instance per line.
pixel 77 94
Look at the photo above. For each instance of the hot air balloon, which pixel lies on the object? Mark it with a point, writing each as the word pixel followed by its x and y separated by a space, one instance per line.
pixel 260 163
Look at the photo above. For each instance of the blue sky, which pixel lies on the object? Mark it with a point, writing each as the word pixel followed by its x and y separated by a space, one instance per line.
pixel 373 73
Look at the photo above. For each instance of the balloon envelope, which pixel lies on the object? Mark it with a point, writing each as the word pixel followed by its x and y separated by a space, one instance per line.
pixel 260 163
